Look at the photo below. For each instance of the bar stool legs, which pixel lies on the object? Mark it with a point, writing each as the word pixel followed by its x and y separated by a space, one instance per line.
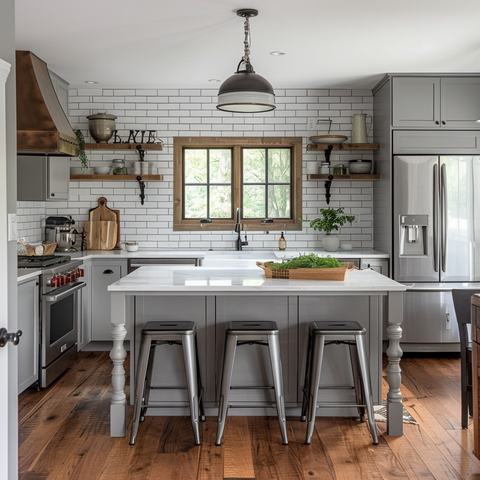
pixel 163 333
pixel 319 331
pixel 264 333
pixel 228 360
pixel 274 348
pixel 143 357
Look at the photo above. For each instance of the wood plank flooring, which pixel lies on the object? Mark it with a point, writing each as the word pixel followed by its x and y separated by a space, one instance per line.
pixel 64 435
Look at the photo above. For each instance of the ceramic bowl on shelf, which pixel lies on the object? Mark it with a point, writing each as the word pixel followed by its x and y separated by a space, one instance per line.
pixel 328 139
pixel 360 166
pixel 102 170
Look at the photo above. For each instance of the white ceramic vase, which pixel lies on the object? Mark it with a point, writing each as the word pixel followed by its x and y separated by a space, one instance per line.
pixel 330 243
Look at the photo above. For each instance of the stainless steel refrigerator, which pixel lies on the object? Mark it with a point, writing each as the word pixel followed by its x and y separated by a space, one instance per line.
pixel 436 214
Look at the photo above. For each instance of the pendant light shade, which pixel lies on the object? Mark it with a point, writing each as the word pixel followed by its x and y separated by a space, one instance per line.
pixel 245 91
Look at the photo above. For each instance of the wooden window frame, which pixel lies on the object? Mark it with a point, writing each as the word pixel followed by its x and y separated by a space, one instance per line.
pixel 237 143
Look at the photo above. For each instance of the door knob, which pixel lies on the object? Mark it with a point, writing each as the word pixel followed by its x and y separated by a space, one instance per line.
pixel 6 337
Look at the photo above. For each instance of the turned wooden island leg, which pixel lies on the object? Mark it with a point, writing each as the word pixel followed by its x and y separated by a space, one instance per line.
pixel 118 405
pixel 394 372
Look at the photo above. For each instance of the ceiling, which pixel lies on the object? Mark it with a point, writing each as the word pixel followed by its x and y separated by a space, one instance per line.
pixel 185 43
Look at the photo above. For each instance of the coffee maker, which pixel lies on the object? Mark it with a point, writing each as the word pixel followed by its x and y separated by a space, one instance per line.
pixel 59 230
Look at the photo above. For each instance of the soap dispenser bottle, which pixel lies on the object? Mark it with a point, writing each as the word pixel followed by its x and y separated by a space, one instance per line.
pixel 282 243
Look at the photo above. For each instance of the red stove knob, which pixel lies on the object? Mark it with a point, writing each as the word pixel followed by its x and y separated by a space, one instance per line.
pixel 80 272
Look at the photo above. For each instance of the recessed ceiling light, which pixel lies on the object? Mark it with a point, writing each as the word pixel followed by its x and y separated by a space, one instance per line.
pixel 214 80
pixel 277 54
pixel 90 82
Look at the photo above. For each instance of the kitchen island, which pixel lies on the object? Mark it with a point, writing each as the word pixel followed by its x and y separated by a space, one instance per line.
pixel 218 295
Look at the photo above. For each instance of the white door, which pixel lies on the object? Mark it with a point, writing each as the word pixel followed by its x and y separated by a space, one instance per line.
pixel 8 360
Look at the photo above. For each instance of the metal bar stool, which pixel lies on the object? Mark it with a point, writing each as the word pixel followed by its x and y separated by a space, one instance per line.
pixel 168 333
pixel 252 333
pixel 335 333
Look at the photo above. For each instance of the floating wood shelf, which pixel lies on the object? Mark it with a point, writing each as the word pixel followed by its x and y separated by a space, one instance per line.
pixel 116 178
pixel 344 146
pixel 123 146
pixel 357 176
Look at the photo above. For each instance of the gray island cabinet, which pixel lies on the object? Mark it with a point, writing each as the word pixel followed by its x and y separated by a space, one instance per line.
pixel 214 296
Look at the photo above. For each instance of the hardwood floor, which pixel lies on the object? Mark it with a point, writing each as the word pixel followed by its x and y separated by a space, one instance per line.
pixel 64 434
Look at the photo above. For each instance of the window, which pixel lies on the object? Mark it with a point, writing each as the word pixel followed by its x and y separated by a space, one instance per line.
pixel 215 176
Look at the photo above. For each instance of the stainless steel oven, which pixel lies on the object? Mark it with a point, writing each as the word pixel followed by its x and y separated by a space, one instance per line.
pixel 61 313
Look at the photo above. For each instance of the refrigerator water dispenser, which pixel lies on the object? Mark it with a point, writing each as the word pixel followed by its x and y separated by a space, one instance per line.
pixel 413 234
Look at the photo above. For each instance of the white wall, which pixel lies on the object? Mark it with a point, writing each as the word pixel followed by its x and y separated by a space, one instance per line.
pixel 192 113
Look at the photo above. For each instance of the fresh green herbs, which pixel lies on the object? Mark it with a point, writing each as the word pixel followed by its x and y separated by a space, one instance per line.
pixel 307 261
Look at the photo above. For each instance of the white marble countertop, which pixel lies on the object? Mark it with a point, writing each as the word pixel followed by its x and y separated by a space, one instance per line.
pixel 187 278
pixel 27 273
pixel 86 254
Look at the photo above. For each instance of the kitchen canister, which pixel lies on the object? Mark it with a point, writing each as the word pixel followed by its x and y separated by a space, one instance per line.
pixel 312 167
pixel 137 168
pixel 145 166
pixel 324 168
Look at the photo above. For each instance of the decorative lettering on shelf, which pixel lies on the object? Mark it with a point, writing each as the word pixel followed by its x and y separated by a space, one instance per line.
pixel 132 137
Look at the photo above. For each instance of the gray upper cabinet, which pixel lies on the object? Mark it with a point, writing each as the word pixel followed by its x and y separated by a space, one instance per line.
pixel 43 178
pixel 436 102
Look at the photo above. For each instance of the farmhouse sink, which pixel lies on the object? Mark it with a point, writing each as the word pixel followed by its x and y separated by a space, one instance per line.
pixel 240 259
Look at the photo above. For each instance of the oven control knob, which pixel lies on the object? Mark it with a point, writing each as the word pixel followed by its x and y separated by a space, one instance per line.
pixel 6 337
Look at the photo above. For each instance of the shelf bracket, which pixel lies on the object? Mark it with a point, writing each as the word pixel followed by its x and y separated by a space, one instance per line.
pixel 141 183
pixel 328 151
pixel 328 184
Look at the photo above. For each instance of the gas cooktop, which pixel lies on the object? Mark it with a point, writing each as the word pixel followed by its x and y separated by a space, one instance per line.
pixel 32 261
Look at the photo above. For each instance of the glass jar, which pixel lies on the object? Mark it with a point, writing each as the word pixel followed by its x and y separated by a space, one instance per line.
pixel 118 166
pixel 339 169
pixel 324 168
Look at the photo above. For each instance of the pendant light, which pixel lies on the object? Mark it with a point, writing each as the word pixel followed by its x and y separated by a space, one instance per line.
pixel 245 91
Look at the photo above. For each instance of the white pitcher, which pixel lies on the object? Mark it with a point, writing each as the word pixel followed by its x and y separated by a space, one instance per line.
pixel 359 129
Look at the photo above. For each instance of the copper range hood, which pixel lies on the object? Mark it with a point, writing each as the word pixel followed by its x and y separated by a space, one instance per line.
pixel 42 126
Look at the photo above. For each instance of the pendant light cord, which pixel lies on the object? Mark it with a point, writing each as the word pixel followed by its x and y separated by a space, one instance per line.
pixel 247 43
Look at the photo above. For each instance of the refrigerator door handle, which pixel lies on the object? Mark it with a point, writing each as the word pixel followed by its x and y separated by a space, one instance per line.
pixel 443 215
pixel 435 219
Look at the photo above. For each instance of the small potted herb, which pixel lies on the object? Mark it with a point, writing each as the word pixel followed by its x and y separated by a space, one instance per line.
pixel 81 154
pixel 331 219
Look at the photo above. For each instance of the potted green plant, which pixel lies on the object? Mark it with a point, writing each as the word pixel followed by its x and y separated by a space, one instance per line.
pixel 81 154
pixel 331 219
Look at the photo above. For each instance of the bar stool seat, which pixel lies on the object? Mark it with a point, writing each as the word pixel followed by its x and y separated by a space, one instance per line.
pixel 249 333
pixel 322 333
pixel 153 335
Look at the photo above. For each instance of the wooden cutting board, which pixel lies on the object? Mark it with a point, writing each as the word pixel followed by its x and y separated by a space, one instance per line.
pixel 101 235
pixel 103 213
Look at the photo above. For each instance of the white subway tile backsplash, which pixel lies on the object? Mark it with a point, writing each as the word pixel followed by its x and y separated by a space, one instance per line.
pixel 193 112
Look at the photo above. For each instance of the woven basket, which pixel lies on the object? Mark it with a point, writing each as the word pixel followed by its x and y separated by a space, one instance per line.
pixel 331 274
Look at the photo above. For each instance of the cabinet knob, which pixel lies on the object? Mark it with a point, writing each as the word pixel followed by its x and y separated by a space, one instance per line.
pixel 443 122
pixel 107 272
pixel 437 122
pixel 6 337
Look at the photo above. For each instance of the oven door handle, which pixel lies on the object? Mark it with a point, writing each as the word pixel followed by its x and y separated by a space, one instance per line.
pixel 56 298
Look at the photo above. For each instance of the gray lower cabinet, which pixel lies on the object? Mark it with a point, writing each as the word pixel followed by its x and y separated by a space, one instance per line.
pixel 252 364
pixel 103 274
pixel 28 323
pixel 436 102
